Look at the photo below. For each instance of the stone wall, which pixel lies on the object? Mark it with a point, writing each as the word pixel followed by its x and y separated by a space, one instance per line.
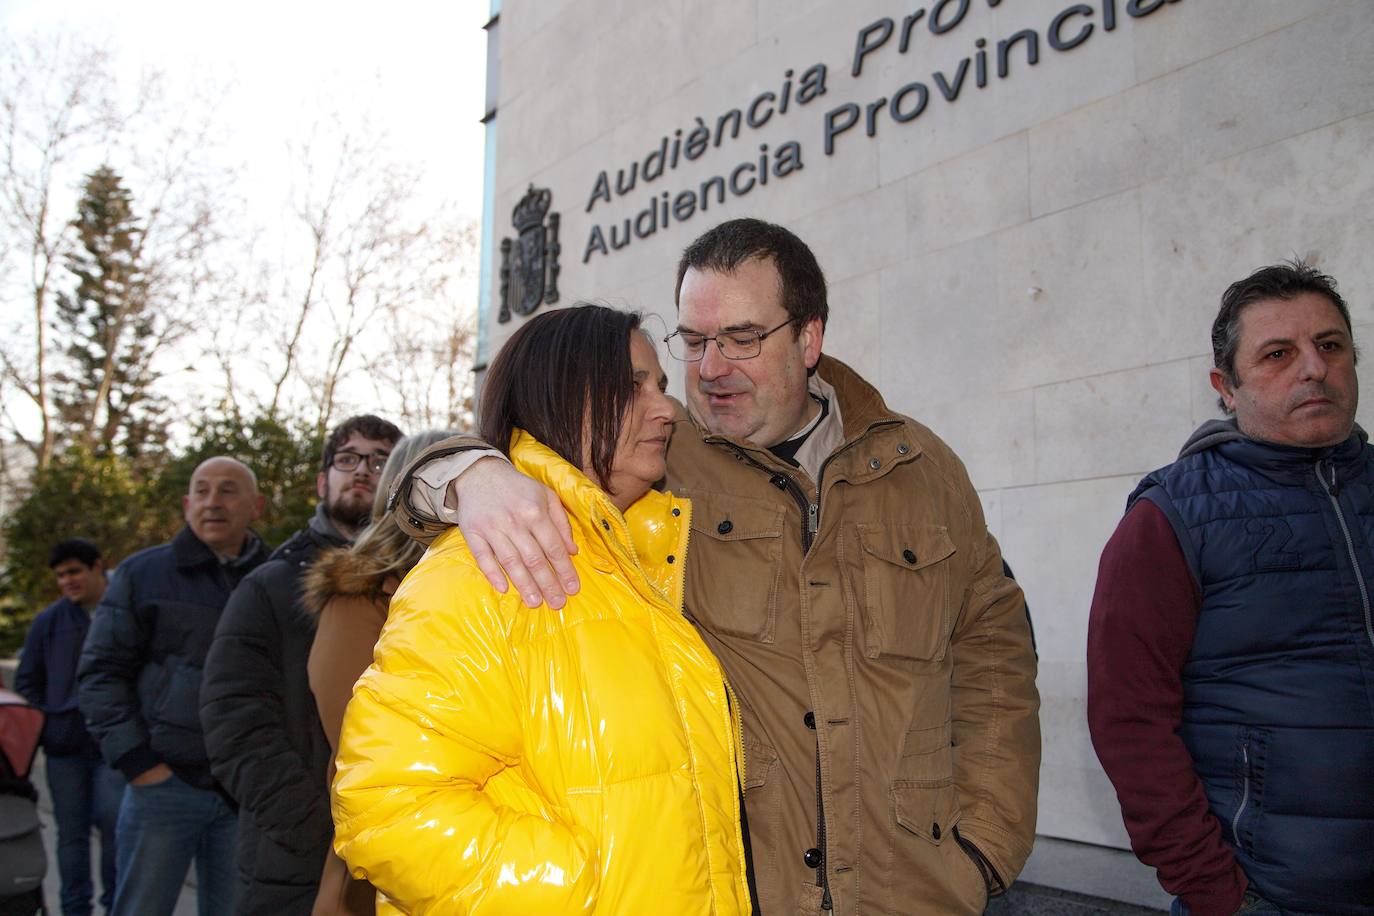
pixel 1030 269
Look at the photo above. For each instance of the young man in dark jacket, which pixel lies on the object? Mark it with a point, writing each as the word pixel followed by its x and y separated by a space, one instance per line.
pixel 85 792
pixel 262 730
pixel 140 679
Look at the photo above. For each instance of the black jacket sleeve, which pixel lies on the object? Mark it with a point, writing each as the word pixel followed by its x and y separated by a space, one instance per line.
pixel 243 714
pixel 115 652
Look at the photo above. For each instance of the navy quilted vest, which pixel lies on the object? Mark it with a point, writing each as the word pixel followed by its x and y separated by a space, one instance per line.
pixel 1279 689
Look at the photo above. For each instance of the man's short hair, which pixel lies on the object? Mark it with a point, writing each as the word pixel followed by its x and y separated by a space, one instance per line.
pixel 1286 280
pixel 724 248
pixel 79 549
pixel 366 425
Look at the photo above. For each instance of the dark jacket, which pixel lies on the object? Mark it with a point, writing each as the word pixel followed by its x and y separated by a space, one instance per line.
pixel 47 676
pixel 263 732
pixel 141 666
pixel 1278 709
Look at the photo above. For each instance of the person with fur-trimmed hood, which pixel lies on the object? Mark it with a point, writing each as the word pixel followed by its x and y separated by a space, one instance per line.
pixel 349 589
pixel 261 729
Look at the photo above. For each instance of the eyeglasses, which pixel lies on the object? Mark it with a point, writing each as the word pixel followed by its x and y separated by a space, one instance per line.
pixel 745 343
pixel 347 461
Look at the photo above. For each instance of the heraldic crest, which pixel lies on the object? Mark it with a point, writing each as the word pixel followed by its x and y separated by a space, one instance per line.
pixel 529 262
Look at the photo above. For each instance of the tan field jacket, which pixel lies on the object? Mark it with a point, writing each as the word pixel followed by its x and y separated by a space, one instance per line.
pixel 882 660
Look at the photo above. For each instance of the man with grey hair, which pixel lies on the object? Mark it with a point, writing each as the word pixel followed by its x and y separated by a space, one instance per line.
pixel 1230 645
pixel 140 676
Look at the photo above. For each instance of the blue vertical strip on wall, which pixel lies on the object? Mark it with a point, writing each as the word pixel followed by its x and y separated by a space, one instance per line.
pixel 488 250
pixel 489 253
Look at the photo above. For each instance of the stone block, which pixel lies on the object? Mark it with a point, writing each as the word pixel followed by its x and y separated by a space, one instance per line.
pixel 1069 302
pixel 941 316
pixel 1112 145
pixel 1125 422
pixel 1207 228
pixel 1052 535
pixel 994 434
pixel 972 195
pixel 1197 31
pixel 855 322
pixel 1318 70
pixel 857 236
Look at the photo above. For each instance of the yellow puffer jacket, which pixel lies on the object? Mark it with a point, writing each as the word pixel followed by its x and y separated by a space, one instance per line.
pixel 497 759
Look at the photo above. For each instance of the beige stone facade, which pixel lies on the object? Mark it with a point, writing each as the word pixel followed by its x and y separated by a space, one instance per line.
pixel 1028 263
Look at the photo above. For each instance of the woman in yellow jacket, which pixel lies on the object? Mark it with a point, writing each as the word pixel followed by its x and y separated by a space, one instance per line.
pixel 497 759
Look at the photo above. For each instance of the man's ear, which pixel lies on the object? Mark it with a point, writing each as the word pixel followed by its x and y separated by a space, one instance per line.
pixel 1222 386
pixel 321 484
pixel 812 333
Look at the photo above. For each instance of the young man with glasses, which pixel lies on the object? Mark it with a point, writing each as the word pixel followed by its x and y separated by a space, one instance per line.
pixel 842 573
pixel 261 728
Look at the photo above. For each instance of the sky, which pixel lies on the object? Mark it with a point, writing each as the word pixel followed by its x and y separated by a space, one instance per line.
pixel 419 65
pixel 416 67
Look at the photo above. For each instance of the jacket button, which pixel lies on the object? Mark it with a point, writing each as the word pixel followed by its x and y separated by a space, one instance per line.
pixel 934 831
pixel 812 858
pixel 677 512
pixel 605 524
pixel 810 720
pixel 725 527
pixel 874 463
pixel 909 555
pixel 903 449
pixel 671 558
pixel 779 481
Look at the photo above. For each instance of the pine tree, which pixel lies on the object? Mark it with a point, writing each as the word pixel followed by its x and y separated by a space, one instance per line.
pixel 105 396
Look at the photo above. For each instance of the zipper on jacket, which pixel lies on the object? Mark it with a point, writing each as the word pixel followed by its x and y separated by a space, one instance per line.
pixel 810 511
pixel 1332 489
pixel 1244 793
pixel 822 874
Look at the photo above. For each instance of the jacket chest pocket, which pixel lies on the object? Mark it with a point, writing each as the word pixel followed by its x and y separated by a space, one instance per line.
pixel 735 566
pixel 906 590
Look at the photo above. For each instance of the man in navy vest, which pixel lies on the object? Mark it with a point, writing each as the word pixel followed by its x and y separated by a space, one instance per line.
pixel 1230 645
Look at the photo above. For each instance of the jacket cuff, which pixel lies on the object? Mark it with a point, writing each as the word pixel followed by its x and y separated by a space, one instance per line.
pixel 1004 854
pixel 140 760
pixel 1221 901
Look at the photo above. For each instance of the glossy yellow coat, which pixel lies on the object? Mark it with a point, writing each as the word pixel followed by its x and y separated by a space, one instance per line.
pixel 497 759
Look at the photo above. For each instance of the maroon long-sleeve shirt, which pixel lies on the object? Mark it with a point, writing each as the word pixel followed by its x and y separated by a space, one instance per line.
pixel 1140 632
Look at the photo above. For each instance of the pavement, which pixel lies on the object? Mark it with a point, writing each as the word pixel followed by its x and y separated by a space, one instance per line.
pixel 1037 900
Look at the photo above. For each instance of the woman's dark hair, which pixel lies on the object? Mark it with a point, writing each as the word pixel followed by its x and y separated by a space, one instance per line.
pixel 563 374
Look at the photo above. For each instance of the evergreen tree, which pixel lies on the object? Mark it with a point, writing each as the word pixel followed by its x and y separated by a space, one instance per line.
pixel 105 396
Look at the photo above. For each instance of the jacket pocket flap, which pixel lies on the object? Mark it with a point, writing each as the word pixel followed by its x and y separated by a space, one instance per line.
pixel 735 520
pixel 929 809
pixel 908 546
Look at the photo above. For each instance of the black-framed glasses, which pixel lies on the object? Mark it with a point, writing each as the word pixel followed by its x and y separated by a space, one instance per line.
pixel 347 461
pixel 745 343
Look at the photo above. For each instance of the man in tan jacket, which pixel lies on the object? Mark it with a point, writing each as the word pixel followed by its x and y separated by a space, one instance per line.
pixel 842 572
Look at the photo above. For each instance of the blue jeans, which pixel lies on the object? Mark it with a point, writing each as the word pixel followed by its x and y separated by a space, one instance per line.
pixel 1252 904
pixel 162 827
pixel 85 794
